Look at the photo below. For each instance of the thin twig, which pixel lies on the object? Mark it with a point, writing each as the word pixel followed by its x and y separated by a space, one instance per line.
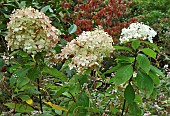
pixel 124 103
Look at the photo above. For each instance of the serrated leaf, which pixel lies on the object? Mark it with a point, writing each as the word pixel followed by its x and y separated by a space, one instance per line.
pixel 54 72
pixel 45 8
pixel 72 29
pixel 149 52
pixel 145 83
pixel 143 62
pixel 21 108
pixel 135 44
pixel 152 45
pixel 56 106
pixel 123 74
pixel 122 48
pixel 129 94
pixel 154 77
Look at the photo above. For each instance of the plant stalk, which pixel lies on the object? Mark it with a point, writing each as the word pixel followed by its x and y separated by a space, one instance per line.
pixel 40 99
pixel 134 63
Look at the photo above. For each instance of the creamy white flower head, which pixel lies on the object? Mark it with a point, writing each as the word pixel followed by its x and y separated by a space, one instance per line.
pixel 31 31
pixel 137 31
pixel 88 50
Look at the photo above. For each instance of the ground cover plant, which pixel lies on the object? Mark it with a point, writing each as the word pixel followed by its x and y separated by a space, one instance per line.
pixel 84 57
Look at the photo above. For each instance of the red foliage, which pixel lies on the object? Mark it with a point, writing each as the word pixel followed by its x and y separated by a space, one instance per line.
pixel 3 69
pixel 96 12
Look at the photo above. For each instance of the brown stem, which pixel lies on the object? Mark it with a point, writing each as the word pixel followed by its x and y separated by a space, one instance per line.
pixel 3 84
pixel 124 103
pixel 40 99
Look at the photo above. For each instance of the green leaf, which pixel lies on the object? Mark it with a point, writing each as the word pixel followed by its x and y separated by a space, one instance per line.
pixel 144 82
pixel 134 110
pixel 2 26
pixel 2 63
pixel 59 92
pixel 12 80
pixel 54 72
pixel 20 53
pixel 34 73
pixel 122 48
pixel 22 81
pixel 83 79
pixel 32 92
pixel 22 4
pixel 152 45
pixel 81 106
pixel 124 59
pixel 143 62
pixel 13 68
pixel 112 69
pixel 135 44
pixel 72 29
pixel 154 94
pixel 149 52
pixel 45 8
pixel 154 77
pixel 21 72
pixel 83 100
pixel 1 75
pixel 61 14
pixel 138 99
pixel 57 107
pixel 129 94
pixel 156 70
pixel 27 99
pixel 123 74
pixel 21 108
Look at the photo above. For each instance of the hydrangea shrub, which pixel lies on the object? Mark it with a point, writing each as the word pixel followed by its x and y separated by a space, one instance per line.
pixel 31 31
pixel 136 31
pixel 88 50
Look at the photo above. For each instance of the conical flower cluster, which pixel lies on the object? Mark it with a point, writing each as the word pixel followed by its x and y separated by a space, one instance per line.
pixel 88 50
pixel 31 31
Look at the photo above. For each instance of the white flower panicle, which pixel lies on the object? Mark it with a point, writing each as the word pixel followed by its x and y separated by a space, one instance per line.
pixel 31 31
pixel 137 31
pixel 88 50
